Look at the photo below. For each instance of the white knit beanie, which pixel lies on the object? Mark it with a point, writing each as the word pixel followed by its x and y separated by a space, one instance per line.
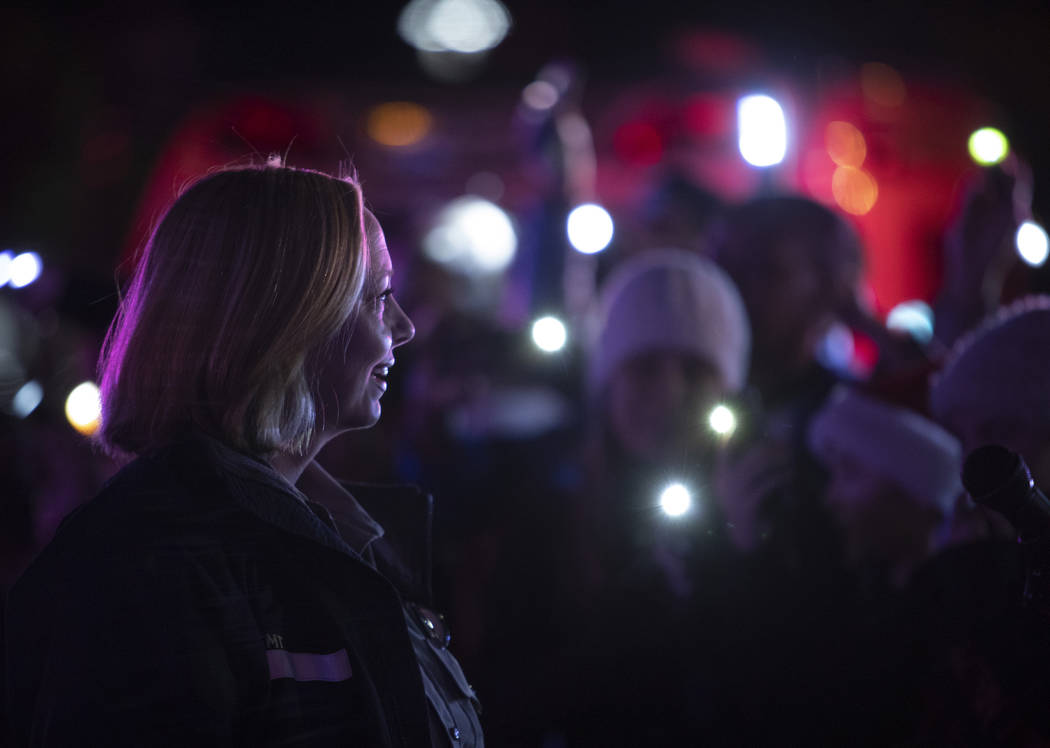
pixel 670 299
pixel 1000 371
pixel 897 444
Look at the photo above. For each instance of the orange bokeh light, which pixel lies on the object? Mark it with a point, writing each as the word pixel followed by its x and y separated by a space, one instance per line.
pixel 398 123
pixel 845 144
pixel 855 190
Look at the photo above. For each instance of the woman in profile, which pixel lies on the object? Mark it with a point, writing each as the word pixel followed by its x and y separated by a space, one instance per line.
pixel 223 588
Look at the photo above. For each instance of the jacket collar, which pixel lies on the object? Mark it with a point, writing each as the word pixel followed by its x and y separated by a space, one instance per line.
pixel 393 520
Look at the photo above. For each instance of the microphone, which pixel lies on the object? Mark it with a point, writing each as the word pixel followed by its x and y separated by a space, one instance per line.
pixel 999 479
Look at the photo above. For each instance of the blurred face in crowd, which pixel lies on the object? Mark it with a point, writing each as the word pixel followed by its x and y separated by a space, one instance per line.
pixel 878 518
pixel 657 403
pixel 352 374
pixel 793 300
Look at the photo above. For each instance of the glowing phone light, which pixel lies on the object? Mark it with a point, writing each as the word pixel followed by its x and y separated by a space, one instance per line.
pixel 762 130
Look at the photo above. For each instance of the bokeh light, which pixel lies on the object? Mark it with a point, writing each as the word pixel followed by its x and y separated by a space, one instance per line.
pixel 762 130
pixel 549 334
pixel 24 269
pixel 845 144
pixel 465 26
pixel 540 95
pixel 398 123
pixel 473 236
pixel 988 146
pixel 1032 243
pixel 28 397
pixel 6 257
pixel 722 420
pixel 639 144
pixel 590 228
pixel 836 348
pixel 675 500
pixel 913 317
pixel 882 85
pixel 855 190
pixel 84 408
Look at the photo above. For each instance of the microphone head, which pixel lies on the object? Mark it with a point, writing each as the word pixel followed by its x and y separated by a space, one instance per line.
pixel 999 479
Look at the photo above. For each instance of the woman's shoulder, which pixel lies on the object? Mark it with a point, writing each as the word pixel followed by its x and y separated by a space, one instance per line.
pixel 150 507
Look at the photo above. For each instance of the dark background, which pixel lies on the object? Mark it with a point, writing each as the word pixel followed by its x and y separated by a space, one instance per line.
pixel 101 89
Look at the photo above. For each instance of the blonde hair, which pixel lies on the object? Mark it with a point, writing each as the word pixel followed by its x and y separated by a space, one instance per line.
pixel 249 272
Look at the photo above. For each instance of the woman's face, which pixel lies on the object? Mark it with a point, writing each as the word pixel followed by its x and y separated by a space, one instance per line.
pixel 352 376
pixel 657 401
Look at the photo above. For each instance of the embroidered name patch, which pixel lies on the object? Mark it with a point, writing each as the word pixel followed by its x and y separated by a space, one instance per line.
pixel 307 666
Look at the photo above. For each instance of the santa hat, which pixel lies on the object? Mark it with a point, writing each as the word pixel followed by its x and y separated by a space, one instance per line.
pixel 899 445
pixel 669 299
pixel 999 371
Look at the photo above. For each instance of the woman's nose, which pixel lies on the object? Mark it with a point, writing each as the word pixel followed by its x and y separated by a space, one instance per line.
pixel 402 328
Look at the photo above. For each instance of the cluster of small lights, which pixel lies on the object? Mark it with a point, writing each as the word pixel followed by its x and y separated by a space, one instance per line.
pixel 473 236
pixel 854 189
pixel 19 270
pixel 1032 243
pixel 762 130
pixel 675 500
pixel 398 124
pixel 549 334
pixel 913 317
pixel 84 408
pixel 722 421
pixel 590 228
pixel 988 146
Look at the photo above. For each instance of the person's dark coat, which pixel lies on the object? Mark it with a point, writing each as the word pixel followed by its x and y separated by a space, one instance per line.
pixel 189 604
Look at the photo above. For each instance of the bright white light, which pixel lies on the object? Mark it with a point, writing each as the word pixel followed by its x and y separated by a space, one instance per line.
pixel 675 500
pixel 722 420
pixel 6 257
pixel 988 146
pixel 27 398
pixel 548 333
pixel 472 235
pixel 590 228
pixel 1032 243
pixel 762 130
pixel 914 318
pixel 84 408
pixel 464 26
pixel 24 269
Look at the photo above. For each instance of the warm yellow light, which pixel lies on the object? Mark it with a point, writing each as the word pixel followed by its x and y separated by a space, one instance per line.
pixel 988 146
pixel 845 144
pixel 854 189
pixel 882 84
pixel 398 123
pixel 84 408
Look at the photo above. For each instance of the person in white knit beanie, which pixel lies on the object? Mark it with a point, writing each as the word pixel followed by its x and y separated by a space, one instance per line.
pixel 995 385
pixel 894 478
pixel 671 338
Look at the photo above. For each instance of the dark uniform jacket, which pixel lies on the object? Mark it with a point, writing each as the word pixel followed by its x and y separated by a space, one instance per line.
pixel 198 601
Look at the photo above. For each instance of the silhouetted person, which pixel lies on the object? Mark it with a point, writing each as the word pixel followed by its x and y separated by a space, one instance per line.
pixel 223 588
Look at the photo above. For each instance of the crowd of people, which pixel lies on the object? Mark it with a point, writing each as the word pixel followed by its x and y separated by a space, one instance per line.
pixel 832 582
